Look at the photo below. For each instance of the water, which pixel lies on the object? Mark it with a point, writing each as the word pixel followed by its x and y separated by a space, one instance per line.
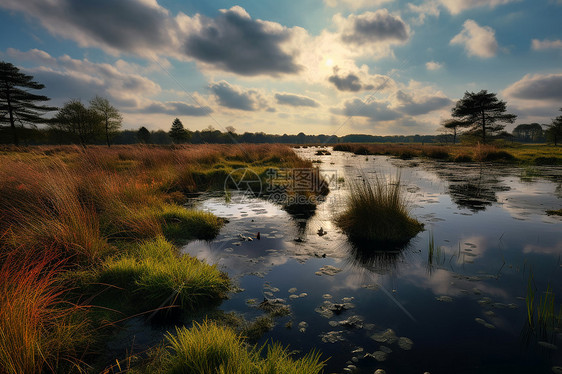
pixel 464 309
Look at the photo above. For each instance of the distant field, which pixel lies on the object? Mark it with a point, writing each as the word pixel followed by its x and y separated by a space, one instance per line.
pixel 529 154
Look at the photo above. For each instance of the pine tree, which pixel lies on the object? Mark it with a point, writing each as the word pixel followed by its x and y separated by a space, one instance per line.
pixel 483 112
pixel 112 119
pixel 143 135
pixel 17 104
pixel 178 133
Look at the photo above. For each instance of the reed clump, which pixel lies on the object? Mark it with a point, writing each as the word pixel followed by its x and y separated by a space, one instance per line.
pixel 377 211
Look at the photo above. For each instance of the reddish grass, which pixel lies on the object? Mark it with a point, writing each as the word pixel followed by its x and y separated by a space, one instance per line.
pixel 39 332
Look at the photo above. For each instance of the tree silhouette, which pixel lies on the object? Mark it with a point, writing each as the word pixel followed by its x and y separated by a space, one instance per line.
pixel 178 133
pixel 81 123
pixel 143 135
pixel 112 119
pixel 483 112
pixel 16 102
pixel 554 130
pixel 454 126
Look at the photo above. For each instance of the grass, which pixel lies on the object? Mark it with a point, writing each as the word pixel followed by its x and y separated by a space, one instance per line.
pixel 542 316
pixel 39 330
pixel 208 348
pixel 112 216
pixel 376 211
pixel 528 154
pixel 157 276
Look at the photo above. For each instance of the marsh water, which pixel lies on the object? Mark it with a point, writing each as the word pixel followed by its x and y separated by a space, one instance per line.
pixel 457 306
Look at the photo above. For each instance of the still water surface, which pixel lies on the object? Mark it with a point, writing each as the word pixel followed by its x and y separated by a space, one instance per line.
pixel 460 310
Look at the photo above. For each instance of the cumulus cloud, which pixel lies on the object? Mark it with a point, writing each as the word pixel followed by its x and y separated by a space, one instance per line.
pixel 457 6
pixel 537 87
pixel 235 97
pixel 541 45
pixel 356 4
pixel 65 77
pixel 375 111
pixel 374 27
pixel 432 65
pixel 236 43
pixel 175 109
pixel 138 26
pixel 295 100
pixel 428 8
pixel 350 82
pixel 361 80
pixel 477 40
pixel 423 105
pixel 232 42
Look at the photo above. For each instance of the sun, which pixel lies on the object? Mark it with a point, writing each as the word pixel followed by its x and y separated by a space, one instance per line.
pixel 329 62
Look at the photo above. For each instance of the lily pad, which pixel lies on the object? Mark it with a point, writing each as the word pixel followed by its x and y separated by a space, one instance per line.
pixel 405 343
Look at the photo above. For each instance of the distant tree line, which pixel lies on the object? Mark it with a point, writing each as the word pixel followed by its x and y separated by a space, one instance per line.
pixel 477 117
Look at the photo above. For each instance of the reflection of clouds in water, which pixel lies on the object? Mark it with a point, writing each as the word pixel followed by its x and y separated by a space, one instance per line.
pixel 534 248
pixel 529 199
pixel 445 282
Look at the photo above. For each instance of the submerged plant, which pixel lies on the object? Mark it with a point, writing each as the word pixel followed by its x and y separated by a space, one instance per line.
pixel 377 211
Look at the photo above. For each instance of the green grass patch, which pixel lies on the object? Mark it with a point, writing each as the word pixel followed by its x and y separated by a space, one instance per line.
pixel 378 212
pixel 208 348
pixel 156 276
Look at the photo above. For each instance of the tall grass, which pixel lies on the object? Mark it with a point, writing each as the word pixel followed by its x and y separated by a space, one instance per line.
pixel 39 331
pixel 377 211
pixel 208 348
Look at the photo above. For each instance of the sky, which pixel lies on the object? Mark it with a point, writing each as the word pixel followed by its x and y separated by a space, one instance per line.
pixel 383 67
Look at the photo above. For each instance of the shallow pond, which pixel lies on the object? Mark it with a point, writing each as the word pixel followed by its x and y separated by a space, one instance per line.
pixel 459 308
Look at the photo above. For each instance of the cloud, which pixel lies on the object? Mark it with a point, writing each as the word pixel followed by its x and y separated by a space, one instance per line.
pixel 295 100
pixel 457 6
pixel 237 98
pixel 356 4
pixel 138 26
pixel 428 8
pixel 541 45
pixel 477 40
pixel 65 77
pixel 354 82
pixel 234 42
pixel 537 87
pixel 374 27
pixel 423 105
pixel 432 65
pixel 375 111
pixel 350 82
pixel 175 109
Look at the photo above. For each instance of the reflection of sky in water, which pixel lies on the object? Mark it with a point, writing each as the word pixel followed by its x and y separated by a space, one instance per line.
pixel 463 310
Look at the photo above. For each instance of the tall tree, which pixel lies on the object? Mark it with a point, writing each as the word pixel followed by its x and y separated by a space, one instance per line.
pixel 485 114
pixel 143 135
pixel 112 119
pixel 178 133
pixel 16 102
pixel 81 123
pixel 454 126
pixel 554 130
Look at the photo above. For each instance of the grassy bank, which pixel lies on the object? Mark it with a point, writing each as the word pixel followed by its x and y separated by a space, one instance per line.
pixel 537 154
pixel 88 238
